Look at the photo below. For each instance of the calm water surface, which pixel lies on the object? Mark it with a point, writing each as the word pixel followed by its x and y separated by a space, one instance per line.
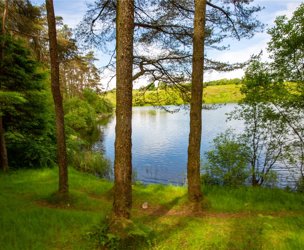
pixel 160 141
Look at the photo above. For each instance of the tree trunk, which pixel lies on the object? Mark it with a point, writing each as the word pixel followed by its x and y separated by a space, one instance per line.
pixel 60 133
pixel 123 140
pixel 3 151
pixel 193 166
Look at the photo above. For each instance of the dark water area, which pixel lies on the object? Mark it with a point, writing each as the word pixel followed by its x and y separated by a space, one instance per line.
pixel 160 142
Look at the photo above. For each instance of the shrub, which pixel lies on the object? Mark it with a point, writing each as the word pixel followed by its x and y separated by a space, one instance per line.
pixel 90 162
pixel 227 162
pixel 300 185
pixel 120 234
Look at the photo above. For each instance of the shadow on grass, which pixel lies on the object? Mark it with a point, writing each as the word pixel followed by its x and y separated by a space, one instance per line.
pixel 246 234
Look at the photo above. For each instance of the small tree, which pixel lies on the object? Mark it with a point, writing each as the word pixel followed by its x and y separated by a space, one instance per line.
pixel 264 133
pixel 286 49
pixel 227 164
pixel 286 46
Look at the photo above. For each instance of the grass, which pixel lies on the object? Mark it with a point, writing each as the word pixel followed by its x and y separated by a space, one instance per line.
pixel 243 218
pixel 222 94
pixel 212 95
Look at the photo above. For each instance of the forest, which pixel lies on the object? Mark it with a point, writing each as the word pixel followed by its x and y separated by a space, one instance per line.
pixel 75 155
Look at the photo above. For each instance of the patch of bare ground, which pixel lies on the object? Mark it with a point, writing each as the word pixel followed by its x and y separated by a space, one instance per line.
pixel 48 204
pixel 70 204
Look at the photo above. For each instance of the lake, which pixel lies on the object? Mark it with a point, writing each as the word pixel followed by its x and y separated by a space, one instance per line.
pixel 160 142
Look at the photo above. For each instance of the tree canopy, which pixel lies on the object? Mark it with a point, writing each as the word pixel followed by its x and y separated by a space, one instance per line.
pixel 163 34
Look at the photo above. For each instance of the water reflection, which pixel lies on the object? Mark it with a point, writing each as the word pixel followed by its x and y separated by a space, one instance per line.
pixel 160 141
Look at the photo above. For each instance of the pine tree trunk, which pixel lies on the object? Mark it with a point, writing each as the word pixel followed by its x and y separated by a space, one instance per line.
pixel 57 97
pixel 193 166
pixel 123 140
pixel 3 151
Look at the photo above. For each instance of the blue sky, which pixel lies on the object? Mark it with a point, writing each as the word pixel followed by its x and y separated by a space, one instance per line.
pixel 72 12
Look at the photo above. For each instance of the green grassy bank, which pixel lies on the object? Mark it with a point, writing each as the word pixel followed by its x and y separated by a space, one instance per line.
pixel 212 95
pixel 244 218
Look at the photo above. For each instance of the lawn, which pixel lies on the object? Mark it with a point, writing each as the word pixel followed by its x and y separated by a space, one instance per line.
pixel 243 218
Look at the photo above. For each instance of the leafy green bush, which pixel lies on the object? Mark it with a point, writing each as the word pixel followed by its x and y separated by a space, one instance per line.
pixel 227 162
pixel 99 103
pixel 90 162
pixel 83 114
pixel 30 151
pixel 300 185
pixel 208 180
pixel 120 234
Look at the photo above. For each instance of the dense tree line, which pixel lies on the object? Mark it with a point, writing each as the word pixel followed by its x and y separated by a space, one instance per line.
pixel 28 137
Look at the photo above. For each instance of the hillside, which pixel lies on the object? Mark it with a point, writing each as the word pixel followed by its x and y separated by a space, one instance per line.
pixel 213 94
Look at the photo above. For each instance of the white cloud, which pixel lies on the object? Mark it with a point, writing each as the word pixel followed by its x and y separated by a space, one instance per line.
pixel 290 8
pixel 241 51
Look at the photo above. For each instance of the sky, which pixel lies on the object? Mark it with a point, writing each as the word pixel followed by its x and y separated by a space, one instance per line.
pixel 72 12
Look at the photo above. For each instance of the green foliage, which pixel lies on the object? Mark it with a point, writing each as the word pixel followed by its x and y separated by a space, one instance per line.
pixel 120 234
pixel 235 81
pixel 101 105
pixel 229 93
pixel 300 185
pixel 90 162
pixel 101 237
pixel 170 96
pixel 9 100
pixel 27 110
pixel 30 150
pixel 257 82
pixel 287 46
pixel 228 162
pixel 82 119
pixel 273 115
pixel 84 114
pixel 264 135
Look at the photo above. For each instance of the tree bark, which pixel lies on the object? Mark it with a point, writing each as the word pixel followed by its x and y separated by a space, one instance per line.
pixel 57 97
pixel 123 140
pixel 3 151
pixel 193 166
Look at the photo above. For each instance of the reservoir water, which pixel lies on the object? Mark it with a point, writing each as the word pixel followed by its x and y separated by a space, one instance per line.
pixel 160 143
pixel 160 140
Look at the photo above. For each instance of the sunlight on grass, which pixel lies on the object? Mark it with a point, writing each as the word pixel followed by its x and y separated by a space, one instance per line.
pixel 240 218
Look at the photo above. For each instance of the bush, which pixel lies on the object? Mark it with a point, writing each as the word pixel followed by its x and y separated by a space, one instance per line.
pixel 208 180
pixel 227 162
pixel 101 105
pixel 300 185
pixel 90 162
pixel 120 234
